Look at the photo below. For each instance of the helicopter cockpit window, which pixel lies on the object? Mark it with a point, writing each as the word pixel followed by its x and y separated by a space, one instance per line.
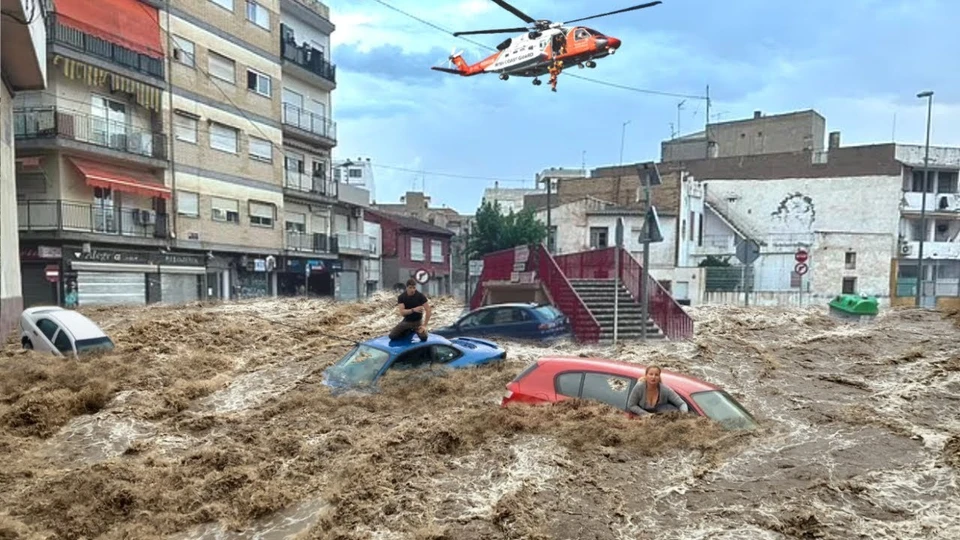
pixel 581 33
pixel 593 32
pixel 506 43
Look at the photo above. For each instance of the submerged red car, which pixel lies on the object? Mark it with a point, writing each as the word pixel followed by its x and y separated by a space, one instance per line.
pixel 553 379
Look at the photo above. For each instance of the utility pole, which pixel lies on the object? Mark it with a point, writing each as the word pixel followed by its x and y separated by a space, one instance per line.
pixel 549 230
pixel 923 198
pixel 645 271
pixel 706 125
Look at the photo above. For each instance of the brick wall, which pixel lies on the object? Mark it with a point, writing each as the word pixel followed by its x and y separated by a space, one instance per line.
pixel 873 160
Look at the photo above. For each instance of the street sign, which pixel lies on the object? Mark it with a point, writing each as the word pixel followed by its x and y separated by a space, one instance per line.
pixel 422 276
pixel 748 251
pixel 800 269
pixel 651 231
pixel 52 273
pixel 619 232
pixel 801 255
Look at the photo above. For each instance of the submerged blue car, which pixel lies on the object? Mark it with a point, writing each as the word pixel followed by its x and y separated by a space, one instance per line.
pixel 367 362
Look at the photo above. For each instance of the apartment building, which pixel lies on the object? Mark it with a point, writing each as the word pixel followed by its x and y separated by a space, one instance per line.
pixel 23 67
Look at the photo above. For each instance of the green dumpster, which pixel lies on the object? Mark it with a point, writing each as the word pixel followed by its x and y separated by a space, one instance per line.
pixel 853 306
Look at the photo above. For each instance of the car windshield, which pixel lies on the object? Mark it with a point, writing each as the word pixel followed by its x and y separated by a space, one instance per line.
pixel 94 345
pixel 549 312
pixel 721 407
pixel 360 366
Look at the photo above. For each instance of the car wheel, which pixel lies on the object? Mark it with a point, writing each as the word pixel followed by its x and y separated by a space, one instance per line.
pixel 27 344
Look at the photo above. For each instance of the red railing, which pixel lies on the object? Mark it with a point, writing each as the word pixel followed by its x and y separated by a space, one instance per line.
pixel 565 298
pixel 496 266
pixel 672 320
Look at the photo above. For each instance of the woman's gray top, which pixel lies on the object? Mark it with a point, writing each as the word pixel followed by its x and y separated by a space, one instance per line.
pixel 637 402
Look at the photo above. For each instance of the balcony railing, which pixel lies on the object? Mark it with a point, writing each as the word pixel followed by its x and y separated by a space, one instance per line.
pixel 54 122
pixel 357 241
pixel 936 202
pixel 310 122
pixel 68 216
pixel 306 56
pixel 309 183
pixel 61 34
pixel 931 249
pixel 312 242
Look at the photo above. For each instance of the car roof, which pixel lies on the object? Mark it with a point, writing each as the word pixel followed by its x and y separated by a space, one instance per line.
pixel 528 305
pixel 677 381
pixel 397 346
pixel 79 325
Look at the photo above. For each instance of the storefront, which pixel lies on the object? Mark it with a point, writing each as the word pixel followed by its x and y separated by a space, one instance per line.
pixel 99 276
pixel 313 277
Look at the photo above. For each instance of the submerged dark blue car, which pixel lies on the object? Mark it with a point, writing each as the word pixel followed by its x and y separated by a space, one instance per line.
pixel 538 322
pixel 364 365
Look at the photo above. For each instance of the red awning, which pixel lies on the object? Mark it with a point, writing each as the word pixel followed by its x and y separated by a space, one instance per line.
pixel 108 177
pixel 128 23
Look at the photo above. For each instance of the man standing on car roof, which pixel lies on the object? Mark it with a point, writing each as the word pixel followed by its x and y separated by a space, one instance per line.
pixel 415 308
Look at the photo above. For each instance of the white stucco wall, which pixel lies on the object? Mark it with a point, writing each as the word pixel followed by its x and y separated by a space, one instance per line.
pixel 940 156
pixel 661 253
pixel 571 222
pixel 788 213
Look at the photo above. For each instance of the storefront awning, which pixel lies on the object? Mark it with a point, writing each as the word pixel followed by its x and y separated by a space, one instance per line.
pixel 129 23
pixel 128 181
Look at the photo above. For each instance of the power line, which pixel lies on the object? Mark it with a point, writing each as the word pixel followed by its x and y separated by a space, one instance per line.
pixel 581 77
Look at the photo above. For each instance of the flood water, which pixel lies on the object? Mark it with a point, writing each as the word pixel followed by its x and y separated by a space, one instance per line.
pixel 859 437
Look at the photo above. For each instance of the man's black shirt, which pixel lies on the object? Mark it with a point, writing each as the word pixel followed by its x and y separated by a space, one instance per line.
pixel 410 302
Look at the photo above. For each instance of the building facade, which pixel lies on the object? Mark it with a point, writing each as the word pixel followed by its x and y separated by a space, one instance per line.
pixel 182 151
pixel 411 245
pixel 23 67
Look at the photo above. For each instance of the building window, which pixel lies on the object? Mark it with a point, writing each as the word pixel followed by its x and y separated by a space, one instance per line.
pixel 262 214
pixel 436 251
pixel 258 82
pixel 223 138
pixel 598 237
pixel 222 67
pixel 224 209
pixel 850 260
pixel 261 149
pixel 258 15
pixel 185 128
pixel 416 249
pixel 355 173
pixel 225 4
pixel 849 285
pixel 296 222
pixel 188 203
pixel 184 51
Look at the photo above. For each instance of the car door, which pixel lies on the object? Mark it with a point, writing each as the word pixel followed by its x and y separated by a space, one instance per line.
pixel 43 341
pixel 506 322
pixel 414 358
pixel 443 355
pixel 595 386
pixel 63 341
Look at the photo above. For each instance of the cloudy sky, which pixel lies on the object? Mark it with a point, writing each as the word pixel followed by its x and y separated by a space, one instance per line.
pixel 860 63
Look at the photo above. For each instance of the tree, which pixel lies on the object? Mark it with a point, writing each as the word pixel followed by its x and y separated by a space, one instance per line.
pixel 493 231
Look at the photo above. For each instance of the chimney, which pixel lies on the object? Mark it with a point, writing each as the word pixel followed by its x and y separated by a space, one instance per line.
pixel 756 114
pixel 834 141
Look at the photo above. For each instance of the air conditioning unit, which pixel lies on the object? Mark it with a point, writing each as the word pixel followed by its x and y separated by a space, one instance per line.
pixel 149 217
pixel 904 249
pixel 357 212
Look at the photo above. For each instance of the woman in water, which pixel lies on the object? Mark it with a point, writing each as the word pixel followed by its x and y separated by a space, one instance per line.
pixel 649 395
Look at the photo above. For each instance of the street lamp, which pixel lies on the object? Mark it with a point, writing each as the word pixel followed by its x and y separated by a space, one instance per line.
pixel 923 197
pixel 623 135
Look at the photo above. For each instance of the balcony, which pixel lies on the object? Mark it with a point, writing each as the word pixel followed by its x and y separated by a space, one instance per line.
pixel 311 242
pixel 308 127
pixel 68 128
pixel 357 242
pixel 298 183
pixel 77 41
pixel 936 202
pixel 58 216
pixel 931 250
pixel 308 59
pixel 23 47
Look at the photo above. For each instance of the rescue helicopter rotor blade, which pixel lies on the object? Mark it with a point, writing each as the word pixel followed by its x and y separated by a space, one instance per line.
pixel 497 31
pixel 624 10
pixel 523 16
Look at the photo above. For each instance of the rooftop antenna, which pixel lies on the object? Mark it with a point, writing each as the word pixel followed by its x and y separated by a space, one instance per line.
pixel 679 108
pixel 583 163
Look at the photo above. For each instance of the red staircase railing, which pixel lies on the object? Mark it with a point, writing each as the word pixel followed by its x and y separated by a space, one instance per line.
pixel 669 316
pixel 496 266
pixel 584 325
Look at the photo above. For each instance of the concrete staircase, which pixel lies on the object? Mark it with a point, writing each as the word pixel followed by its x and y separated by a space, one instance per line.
pixel 598 295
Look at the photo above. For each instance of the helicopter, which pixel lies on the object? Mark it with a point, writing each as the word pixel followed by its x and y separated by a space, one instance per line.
pixel 543 48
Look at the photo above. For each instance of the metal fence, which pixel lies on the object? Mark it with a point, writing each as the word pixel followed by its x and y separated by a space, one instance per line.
pixel 941 279
pixel 770 280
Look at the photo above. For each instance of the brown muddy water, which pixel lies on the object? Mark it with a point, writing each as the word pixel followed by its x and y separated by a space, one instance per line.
pixel 209 422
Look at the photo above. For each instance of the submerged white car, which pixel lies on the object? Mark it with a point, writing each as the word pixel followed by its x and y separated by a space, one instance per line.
pixel 62 332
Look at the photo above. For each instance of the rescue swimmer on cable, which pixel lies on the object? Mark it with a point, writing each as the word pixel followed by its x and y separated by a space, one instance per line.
pixel 544 48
